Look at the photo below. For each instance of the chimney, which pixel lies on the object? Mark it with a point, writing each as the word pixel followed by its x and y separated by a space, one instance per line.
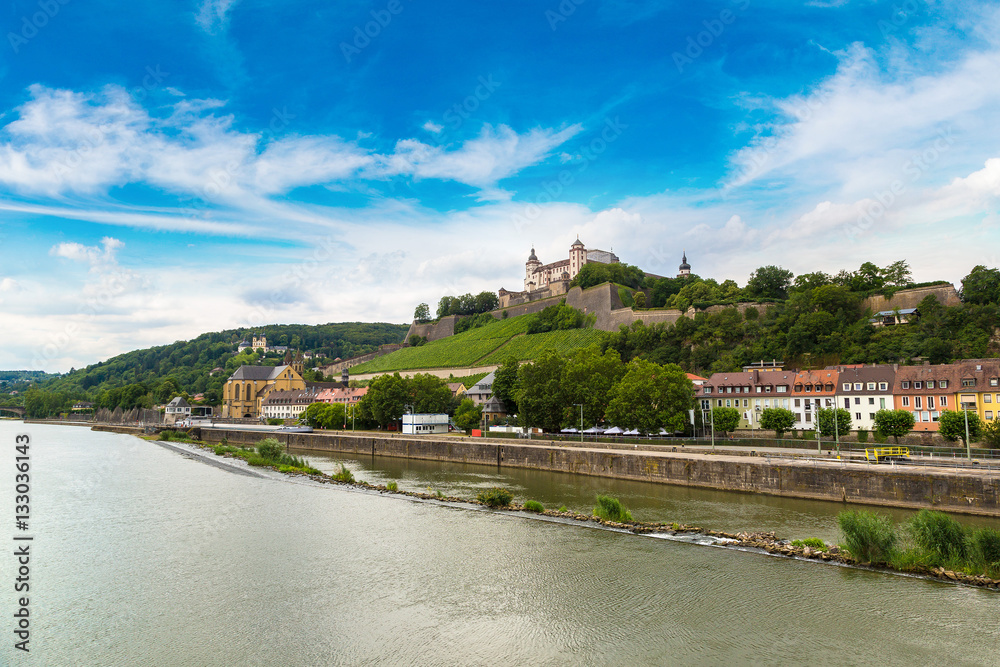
pixel 927 362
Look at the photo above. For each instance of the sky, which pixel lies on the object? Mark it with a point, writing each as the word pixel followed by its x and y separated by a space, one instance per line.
pixel 173 168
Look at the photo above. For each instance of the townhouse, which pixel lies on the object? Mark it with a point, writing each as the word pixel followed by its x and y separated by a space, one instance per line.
pixel 812 391
pixel 926 391
pixel 863 391
pixel 978 388
pixel 748 391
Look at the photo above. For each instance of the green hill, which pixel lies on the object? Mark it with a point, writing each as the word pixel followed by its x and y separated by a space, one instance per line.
pixel 486 345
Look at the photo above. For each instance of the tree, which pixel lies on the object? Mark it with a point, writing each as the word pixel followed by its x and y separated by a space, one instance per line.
pixel 778 420
pixel 951 426
pixel 830 426
pixel 981 286
pixel 167 390
pixel 422 313
pixel 587 379
pixel 333 415
pixel 312 413
pixel 540 399
pixel 468 414
pixel 386 399
pixel 428 394
pixel 896 423
pixel 725 419
pixel 640 300
pixel 769 282
pixel 990 434
pixel 505 383
pixel 650 397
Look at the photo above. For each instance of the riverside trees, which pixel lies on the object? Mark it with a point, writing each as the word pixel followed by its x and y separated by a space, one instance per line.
pixel 896 423
pixel 389 396
pixel 642 395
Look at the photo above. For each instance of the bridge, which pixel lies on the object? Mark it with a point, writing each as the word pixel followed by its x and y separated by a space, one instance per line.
pixel 12 409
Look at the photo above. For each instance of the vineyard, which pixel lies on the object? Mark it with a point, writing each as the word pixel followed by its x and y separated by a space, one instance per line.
pixel 488 345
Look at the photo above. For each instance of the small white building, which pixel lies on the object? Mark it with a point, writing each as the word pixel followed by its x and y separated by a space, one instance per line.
pixel 423 424
pixel 176 409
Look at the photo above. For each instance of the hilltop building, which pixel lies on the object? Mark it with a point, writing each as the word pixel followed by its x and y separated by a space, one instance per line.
pixel 539 276
pixel 684 270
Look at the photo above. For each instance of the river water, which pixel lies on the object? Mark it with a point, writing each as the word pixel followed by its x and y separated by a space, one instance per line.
pixel 144 556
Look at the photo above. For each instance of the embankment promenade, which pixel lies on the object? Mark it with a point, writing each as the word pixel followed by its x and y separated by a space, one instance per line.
pixel 960 490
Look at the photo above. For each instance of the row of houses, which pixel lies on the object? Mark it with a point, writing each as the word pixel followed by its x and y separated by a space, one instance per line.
pixel 926 391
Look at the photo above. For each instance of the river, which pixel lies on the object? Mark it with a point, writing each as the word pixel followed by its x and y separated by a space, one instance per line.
pixel 144 556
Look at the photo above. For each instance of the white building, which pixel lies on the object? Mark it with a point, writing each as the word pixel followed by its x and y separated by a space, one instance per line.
pixel 176 409
pixel 864 391
pixel 423 424
pixel 538 276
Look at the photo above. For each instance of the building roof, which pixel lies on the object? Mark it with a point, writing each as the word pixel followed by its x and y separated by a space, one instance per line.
pixel 901 311
pixel 532 257
pixel 684 262
pixel 484 386
pixel 577 243
pixel 257 372
pixel 824 381
pixel 292 397
pixel 456 388
pixel 494 405
pixel 865 374
pixel 179 402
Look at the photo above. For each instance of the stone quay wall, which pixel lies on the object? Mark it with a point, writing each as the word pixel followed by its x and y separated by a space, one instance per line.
pixel 968 492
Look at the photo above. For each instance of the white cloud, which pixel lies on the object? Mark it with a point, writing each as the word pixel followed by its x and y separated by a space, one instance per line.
pixel 213 15
pixel 9 285
pixel 98 257
pixel 431 126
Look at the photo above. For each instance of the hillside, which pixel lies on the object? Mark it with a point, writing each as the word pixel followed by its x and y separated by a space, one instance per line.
pixel 487 345
pixel 186 366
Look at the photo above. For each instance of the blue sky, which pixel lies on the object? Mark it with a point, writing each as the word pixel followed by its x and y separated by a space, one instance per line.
pixel 168 169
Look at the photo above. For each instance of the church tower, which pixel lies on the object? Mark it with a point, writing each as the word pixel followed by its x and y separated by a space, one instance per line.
pixel 685 268
pixel 297 363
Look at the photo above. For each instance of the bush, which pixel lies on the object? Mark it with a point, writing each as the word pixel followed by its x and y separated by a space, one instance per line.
pixel 862 435
pixel 610 509
pixel 563 509
pixel 879 437
pixel 495 497
pixel 344 475
pixel 811 542
pixel 274 422
pixel 939 534
pixel 985 546
pixel 533 506
pixel 870 537
pixel 167 434
pixel 392 486
pixel 270 448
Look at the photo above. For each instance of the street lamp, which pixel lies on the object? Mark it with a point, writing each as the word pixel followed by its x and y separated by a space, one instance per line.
pixel 581 420
pixel 965 411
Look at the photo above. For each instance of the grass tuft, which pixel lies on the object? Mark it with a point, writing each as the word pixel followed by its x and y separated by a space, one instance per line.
pixel 392 486
pixel 870 537
pixel 611 509
pixel 495 497
pixel 344 475
pixel 533 506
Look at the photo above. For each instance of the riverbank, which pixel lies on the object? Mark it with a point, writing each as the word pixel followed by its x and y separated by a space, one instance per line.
pixel 964 491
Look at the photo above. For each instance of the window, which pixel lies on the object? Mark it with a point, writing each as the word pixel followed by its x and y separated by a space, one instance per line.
pixel 858 386
pixel 871 415
pixel 847 386
pixel 781 388
pixel 767 389
pixel 918 385
pixel 719 401
pixel 916 402
pixel 930 384
pixel 906 384
pixel 857 416
pixel 847 404
pixel 993 382
pixel 927 416
pixel 883 386
pixel 708 390
pixel 906 401
pixel 969 382
pixel 746 403
pixel 881 403
pixel 798 403
pixel 729 403
pixel 987 398
pixel 809 388
pixel 935 416
pixel 857 401
pixel 916 416
pixel 943 384
pixel 758 390
pixel 989 414
pixel 871 386
pixel 930 402
pixel 943 401
pixel 808 417
pixel 798 387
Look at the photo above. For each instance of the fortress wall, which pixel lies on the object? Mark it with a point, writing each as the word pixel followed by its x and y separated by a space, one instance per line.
pixel 433 330
pixel 946 295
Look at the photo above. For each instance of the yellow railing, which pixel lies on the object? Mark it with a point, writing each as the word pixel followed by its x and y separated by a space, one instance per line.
pixel 878 453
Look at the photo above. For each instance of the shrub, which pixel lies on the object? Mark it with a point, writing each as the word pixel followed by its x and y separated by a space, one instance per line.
pixel 879 437
pixel 533 506
pixel 274 422
pixel 862 435
pixel 344 475
pixel 985 546
pixel 870 537
pixel 811 542
pixel 309 470
pixel 167 434
pixel 495 497
pixel 270 448
pixel 563 509
pixel 392 486
pixel 610 509
pixel 939 534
